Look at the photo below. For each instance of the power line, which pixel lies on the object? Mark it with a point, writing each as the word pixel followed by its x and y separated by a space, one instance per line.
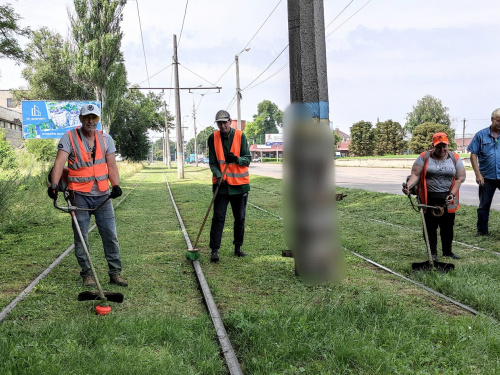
pixel 339 14
pixel 182 27
pixel 261 26
pixel 147 79
pixel 197 74
pixel 272 75
pixel 348 19
pixel 142 40
pixel 266 68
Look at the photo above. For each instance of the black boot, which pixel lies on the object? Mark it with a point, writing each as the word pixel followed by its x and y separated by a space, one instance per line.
pixel 238 252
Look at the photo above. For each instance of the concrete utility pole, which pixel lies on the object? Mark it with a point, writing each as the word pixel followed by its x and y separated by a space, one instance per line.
pixel 195 142
pixel 308 146
pixel 238 90
pixel 166 143
pixel 180 148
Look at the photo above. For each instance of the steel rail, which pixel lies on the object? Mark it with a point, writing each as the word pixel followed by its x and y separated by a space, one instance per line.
pixel 225 343
pixel 59 259
pixel 457 242
pixel 426 288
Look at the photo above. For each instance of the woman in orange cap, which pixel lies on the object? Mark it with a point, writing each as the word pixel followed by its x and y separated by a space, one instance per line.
pixel 436 176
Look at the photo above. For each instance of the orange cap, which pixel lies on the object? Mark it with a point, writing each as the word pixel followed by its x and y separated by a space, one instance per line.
pixel 440 137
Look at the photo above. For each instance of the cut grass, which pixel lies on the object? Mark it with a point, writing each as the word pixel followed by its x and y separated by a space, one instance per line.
pixel 369 323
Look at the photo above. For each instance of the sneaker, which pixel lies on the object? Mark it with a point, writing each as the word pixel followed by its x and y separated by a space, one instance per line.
pixel 239 253
pixel 117 279
pixel 89 281
pixel 214 257
pixel 480 234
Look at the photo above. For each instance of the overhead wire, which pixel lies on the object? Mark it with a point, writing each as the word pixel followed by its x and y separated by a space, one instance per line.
pixel 283 67
pixel 338 15
pixel 284 49
pixel 185 67
pixel 147 79
pixel 182 27
pixel 343 23
pixel 142 40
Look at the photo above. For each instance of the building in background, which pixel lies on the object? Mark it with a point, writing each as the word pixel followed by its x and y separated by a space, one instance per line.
pixel 11 118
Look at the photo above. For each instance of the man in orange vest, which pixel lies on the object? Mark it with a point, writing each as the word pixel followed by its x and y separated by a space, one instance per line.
pixel 92 166
pixel 230 146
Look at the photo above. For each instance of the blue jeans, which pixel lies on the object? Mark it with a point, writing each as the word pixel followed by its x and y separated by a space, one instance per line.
pixel 486 193
pixel 105 220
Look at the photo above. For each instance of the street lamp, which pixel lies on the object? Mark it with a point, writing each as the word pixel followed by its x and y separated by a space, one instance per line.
pixel 238 91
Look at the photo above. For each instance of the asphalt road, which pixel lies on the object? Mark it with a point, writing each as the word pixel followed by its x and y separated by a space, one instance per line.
pixel 383 180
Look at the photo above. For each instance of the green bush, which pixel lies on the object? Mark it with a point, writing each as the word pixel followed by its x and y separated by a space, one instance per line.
pixel 7 156
pixel 42 149
pixel 271 160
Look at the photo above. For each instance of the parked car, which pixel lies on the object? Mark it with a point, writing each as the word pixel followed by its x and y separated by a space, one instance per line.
pixel 206 160
pixel 257 160
pixel 201 160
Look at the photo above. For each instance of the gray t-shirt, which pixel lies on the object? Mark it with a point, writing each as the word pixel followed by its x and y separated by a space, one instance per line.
pixel 440 173
pixel 65 145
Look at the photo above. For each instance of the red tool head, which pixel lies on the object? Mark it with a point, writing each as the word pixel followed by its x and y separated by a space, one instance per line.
pixel 102 310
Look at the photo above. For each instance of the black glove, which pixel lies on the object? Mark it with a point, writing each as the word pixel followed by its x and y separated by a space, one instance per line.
pixel 115 192
pixel 231 158
pixel 220 181
pixel 52 191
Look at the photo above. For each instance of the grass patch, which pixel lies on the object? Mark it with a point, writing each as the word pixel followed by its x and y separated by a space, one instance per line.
pixel 369 323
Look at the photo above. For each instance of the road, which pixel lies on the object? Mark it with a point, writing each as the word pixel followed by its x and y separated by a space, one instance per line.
pixel 383 180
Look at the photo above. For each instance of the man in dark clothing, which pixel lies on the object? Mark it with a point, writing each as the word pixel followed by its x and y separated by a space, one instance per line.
pixel 230 146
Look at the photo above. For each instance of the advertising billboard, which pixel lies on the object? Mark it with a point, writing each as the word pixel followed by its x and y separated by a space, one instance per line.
pixel 274 139
pixel 44 119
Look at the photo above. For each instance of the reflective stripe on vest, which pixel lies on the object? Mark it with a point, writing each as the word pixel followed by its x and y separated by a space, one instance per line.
pixel 422 184
pixel 235 174
pixel 83 171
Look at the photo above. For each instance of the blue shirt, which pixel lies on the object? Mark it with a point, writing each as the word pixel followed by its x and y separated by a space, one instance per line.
pixel 487 149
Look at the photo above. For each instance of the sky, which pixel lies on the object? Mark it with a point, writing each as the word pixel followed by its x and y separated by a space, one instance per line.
pixel 382 55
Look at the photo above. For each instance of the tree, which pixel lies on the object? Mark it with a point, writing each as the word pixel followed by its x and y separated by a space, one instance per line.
pixel 421 139
pixel 48 70
pixel 362 139
pixel 201 140
pixel 190 147
pixel 267 121
pixel 389 138
pixel 9 31
pixel 137 114
pixel 428 109
pixel 337 138
pixel 97 37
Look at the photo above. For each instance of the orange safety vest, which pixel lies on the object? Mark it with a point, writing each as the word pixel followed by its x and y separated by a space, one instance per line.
pixel 235 174
pixel 422 184
pixel 83 171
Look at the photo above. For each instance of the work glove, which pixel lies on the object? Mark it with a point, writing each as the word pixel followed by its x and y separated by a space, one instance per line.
pixel 52 191
pixel 231 158
pixel 116 191
pixel 220 181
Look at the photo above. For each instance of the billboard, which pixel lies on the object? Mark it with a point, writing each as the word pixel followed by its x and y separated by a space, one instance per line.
pixel 274 139
pixel 51 119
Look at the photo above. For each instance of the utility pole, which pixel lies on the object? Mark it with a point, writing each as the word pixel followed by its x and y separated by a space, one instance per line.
pixel 166 140
pixel 238 90
pixel 463 136
pixel 195 143
pixel 308 141
pixel 180 146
